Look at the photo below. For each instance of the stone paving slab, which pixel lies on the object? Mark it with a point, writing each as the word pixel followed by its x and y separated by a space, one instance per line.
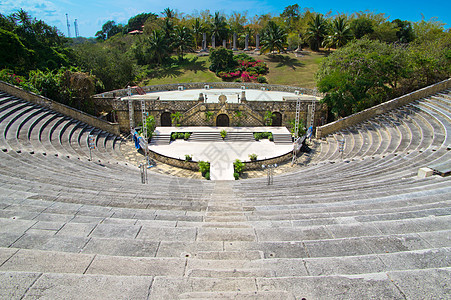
pixel 74 286
pixel 437 238
pixel 6 253
pixel 187 249
pixel 424 284
pixel 365 286
pixel 291 234
pixel 136 266
pixel 226 234
pixel 337 247
pixel 167 234
pixel 13 285
pixel 51 242
pixel 121 247
pixel 116 231
pixel 344 265
pixel 270 249
pixel 47 261
pixel 170 288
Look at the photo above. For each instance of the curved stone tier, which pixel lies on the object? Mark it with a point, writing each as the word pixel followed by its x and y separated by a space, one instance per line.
pixel 356 225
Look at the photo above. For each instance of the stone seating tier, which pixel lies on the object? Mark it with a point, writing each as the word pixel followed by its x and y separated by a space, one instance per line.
pixel 360 224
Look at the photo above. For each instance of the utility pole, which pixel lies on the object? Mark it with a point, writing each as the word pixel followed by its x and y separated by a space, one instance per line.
pixel 68 25
pixel 76 28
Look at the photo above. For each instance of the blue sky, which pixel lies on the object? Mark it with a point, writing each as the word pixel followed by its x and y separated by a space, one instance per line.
pixel 92 14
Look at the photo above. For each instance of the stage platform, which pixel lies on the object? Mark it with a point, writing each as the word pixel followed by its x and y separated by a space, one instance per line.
pixel 222 153
pixel 212 95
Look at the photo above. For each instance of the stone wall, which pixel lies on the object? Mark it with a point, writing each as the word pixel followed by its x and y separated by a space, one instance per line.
pixel 257 165
pixel 60 108
pixel 381 108
pixel 193 165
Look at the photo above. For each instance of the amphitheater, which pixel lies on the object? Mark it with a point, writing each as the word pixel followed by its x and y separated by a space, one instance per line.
pixel 354 225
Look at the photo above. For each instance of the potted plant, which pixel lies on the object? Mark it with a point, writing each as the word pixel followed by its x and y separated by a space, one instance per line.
pixel 223 134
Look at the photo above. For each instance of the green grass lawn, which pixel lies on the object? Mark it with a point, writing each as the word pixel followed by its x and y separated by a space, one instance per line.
pixel 284 69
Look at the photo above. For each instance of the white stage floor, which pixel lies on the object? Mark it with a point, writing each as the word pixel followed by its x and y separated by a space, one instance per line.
pixel 222 154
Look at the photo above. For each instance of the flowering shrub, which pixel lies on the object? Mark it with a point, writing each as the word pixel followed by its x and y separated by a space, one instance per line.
pixel 247 70
pixel 9 77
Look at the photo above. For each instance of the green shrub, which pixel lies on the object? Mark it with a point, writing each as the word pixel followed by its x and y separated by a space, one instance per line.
pixel 188 157
pixel 204 167
pixel 262 79
pixel 187 135
pixel 174 136
pixel 223 133
pixel 257 136
pixel 180 135
pixel 207 175
pixel 253 157
pixel 236 175
pixel 238 166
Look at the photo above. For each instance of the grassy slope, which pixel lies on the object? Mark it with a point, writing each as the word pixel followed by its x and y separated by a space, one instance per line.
pixel 284 69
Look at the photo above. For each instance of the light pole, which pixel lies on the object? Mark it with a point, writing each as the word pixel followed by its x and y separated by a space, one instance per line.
pixel 270 172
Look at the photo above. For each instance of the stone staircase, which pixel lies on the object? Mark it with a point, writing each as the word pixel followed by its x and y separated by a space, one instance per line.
pixel 355 225
pixel 215 136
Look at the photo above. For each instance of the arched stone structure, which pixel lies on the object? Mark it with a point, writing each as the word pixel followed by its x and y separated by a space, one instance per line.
pixel 166 119
pixel 222 120
pixel 277 119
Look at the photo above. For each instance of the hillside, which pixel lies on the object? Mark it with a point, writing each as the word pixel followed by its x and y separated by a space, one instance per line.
pixel 284 69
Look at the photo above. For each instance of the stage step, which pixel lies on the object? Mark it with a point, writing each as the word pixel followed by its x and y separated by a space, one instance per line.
pixel 211 136
pixel 160 139
pixel 282 138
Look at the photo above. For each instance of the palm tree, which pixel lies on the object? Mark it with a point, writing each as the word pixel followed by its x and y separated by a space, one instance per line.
pixel 273 38
pixel 183 40
pixel 316 31
pixel 219 27
pixel 198 30
pixel 341 34
pixel 168 13
pixel 157 48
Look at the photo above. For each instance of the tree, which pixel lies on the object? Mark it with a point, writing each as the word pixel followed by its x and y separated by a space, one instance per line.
pixel 109 29
pixel 361 27
pixel 168 13
pixel 268 118
pixel 198 28
pixel 340 34
pixel 176 117
pixel 361 74
pixel 291 15
pixel 273 38
pixel 137 22
pixel 219 27
pixel 183 40
pixel 316 31
pixel 405 31
pixel 153 49
pixel 221 59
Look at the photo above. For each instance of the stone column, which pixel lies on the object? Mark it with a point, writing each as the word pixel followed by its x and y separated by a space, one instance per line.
pixel 257 42
pixel 213 41
pixel 299 49
pixel 224 44
pixel 246 43
pixel 234 43
pixel 243 97
pixel 204 42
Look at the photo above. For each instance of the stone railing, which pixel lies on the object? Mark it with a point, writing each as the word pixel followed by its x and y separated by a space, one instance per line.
pixel 381 108
pixel 60 108
pixel 211 85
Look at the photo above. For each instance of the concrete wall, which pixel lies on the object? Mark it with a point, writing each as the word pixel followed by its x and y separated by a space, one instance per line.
pixel 60 108
pixel 382 108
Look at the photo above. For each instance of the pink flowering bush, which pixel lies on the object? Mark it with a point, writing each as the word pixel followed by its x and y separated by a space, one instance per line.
pixel 247 70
